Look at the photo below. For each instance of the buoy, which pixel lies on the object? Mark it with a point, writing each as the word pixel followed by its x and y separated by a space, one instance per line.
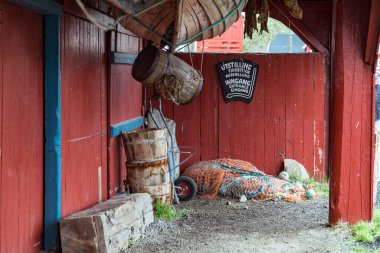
pixel 243 198
pixel 310 193
pixel 284 175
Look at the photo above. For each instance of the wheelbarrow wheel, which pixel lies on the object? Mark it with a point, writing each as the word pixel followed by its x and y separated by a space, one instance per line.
pixel 186 188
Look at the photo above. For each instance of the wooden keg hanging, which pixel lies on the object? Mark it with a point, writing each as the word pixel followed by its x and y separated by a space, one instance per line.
pixel 169 76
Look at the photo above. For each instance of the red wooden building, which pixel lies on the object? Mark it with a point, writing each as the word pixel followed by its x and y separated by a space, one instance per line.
pixel 62 91
pixel 230 41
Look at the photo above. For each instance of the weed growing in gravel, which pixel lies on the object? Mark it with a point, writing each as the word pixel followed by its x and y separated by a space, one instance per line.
pixel 366 250
pixel 363 232
pixel 165 211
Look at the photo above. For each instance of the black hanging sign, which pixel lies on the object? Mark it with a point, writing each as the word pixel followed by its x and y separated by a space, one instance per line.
pixel 238 79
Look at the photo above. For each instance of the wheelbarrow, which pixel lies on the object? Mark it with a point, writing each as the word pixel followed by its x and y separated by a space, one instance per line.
pixel 184 188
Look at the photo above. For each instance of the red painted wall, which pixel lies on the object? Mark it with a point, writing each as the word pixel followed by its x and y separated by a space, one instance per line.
pixel 231 41
pixel 95 95
pixel 21 129
pixel 285 119
pixel 84 113
pixel 125 102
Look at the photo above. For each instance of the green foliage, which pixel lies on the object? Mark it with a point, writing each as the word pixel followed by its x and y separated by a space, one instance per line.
pixel 366 250
pixel 260 42
pixel 165 211
pixel 362 232
pixel 367 232
pixel 320 187
pixel 130 243
pixel 361 250
pixel 295 178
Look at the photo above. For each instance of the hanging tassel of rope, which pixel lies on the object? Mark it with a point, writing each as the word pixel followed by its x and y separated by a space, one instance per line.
pixel 250 22
pixel 261 7
pixel 263 17
pixel 294 9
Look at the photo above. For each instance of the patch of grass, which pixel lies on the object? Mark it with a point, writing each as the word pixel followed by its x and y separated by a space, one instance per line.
pixel 367 232
pixel 366 250
pixel 321 187
pixel 165 211
pixel 361 250
pixel 130 243
pixel 295 178
pixel 362 232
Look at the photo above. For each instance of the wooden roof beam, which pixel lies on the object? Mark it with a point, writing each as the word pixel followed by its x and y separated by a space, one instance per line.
pixel 314 42
pixel 373 33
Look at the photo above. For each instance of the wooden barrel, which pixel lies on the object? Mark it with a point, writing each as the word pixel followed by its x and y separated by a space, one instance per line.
pixel 168 75
pixel 145 145
pixel 152 178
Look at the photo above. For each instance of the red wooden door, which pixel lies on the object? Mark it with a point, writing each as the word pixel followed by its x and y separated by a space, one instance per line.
pixel 125 101
pixel 21 129
pixel 84 121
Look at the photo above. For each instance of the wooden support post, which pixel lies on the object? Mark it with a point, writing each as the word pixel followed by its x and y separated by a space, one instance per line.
pixel 351 115
pixel 52 205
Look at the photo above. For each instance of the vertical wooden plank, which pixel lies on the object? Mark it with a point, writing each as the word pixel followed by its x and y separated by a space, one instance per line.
pixel 83 114
pixel 52 204
pixel 225 118
pixel 259 112
pixel 354 210
pixel 125 102
pixel 110 47
pixel 280 120
pixel 237 138
pixel 289 110
pixel 209 109
pixel 21 212
pixel 295 71
pixel 368 120
pixel 308 75
pixel 103 69
pixel 319 118
pixel 188 122
pixel 270 82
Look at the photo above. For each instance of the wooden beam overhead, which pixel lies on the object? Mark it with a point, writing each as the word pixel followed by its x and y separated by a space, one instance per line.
pixel 45 7
pixel 373 33
pixel 312 40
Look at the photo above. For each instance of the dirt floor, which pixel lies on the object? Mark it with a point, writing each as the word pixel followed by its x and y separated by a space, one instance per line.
pixel 226 225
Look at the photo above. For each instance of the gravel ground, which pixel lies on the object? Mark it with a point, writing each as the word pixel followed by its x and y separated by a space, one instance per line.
pixel 215 226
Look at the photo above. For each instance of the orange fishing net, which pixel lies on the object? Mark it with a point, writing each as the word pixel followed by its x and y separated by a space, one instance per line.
pixel 208 176
pixel 235 178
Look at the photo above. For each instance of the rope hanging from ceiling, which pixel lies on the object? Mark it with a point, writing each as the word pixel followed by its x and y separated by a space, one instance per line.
pixel 257 12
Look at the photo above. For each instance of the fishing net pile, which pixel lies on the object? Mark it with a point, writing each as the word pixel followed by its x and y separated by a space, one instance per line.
pixel 231 177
